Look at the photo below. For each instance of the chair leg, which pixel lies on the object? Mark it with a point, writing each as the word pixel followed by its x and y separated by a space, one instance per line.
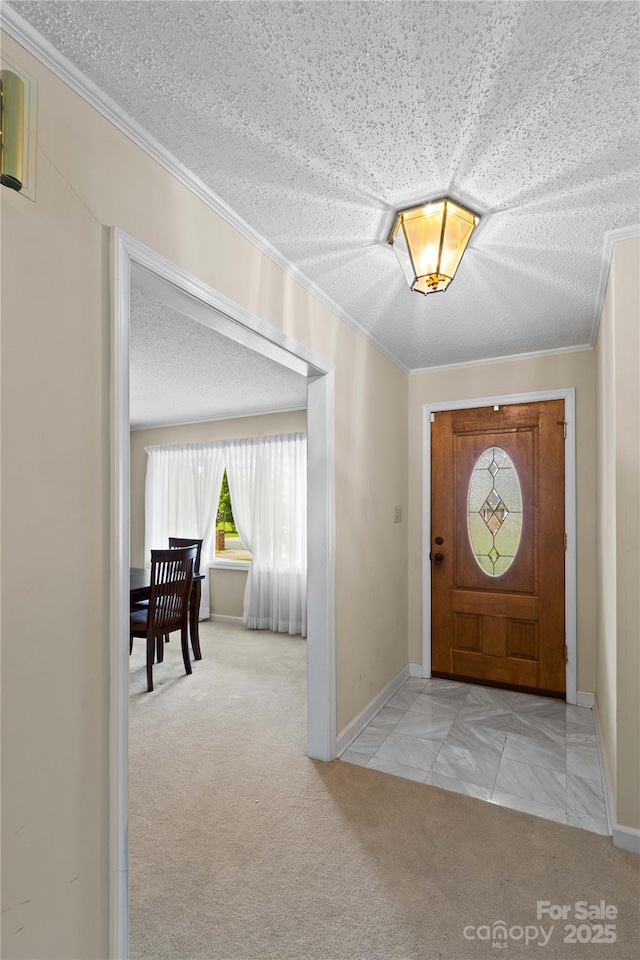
pixel 159 649
pixel 194 612
pixel 184 637
pixel 130 644
pixel 151 647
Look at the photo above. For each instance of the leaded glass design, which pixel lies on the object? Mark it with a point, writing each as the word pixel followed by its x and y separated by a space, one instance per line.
pixel 494 511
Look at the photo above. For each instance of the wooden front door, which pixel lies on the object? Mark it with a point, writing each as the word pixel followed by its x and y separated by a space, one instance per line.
pixel 497 545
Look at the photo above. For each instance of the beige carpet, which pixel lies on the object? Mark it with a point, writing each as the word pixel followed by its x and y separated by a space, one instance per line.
pixel 244 849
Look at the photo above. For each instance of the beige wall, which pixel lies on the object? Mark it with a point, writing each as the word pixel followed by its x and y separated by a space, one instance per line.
pixel 606 629
pixel 618 499
pixel 294 421
pixel 226 591
pixel 55 490
pixel 495 379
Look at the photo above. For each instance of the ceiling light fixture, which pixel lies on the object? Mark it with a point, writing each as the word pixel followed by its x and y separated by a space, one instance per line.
pixel 429 241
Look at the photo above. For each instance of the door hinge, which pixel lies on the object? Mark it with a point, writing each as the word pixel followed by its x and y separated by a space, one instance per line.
pixel 566 541
pixel 564 427
pixel 566 653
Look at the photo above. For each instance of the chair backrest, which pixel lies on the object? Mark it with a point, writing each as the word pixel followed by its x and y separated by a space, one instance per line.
pixel 171 580
pixel 188 542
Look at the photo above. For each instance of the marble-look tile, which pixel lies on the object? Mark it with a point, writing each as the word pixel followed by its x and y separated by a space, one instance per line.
pixel 438 708
pixel 360 759
pixel 470 766
pixel 583 760
pixel 403 699
pixel 415 684
pixel 475 737
pixel 458 786
pixel 408 751
pixel 579 719
pixel 585 797
pixel 592 824
pixel 388 717
pixel 397 769
pixel 545 753
pixel 448 689
pixel 484 715
pixel 492 696
pixel 531 782
pixel 369 740
pixel 530 806
pixel 539 706
pixel 507 747
pixel 582 739
pixel 417 724
pixel 551 728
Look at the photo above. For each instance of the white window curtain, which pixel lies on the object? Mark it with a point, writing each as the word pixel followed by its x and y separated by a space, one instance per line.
pixel 268 485
pixel 181 500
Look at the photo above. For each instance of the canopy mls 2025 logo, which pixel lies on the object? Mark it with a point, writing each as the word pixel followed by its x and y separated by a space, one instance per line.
pixel 583 923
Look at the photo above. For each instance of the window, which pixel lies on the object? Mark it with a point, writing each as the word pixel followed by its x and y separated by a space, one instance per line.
pixel 229 543
pixel 494 511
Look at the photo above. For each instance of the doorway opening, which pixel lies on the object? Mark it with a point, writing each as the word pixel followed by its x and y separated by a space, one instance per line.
pixel 506 747
pixel 136 265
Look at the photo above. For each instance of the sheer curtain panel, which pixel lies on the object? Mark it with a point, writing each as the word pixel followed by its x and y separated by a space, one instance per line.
pixel 181 500
pixel 268 486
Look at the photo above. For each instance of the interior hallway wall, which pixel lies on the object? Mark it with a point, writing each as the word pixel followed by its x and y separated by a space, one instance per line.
pixel 606 615
pixel 618 531
pixel 547 372
pixel 56 490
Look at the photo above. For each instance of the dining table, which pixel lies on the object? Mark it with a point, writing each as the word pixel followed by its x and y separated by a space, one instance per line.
pixel 140 589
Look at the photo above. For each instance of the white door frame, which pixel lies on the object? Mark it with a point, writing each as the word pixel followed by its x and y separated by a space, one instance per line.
pixel 132 259
pixel 568 394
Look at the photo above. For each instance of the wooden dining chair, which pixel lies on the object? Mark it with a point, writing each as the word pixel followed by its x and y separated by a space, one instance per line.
pixel 168 608
pixel 196 592
pixel 188 542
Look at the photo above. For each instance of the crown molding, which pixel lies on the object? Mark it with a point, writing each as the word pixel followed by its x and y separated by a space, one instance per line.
pixel 611 237
pixel 34 43
pixel 514 356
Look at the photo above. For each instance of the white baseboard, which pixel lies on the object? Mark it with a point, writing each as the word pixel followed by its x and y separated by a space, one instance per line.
pixel 415 670
pixel 357 725
pixel 221 618
pixel 585 699
pixel 624 838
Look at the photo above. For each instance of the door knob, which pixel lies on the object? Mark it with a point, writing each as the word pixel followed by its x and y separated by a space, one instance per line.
pixel 438 557
pixel 439 541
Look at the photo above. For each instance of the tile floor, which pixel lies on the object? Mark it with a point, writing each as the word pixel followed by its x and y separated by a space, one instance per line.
pixel 526 752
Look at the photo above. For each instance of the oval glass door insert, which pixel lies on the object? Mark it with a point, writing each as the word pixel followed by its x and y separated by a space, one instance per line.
pixel 494 511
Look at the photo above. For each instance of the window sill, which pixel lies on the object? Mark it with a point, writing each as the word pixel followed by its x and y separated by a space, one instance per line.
pixel 230 565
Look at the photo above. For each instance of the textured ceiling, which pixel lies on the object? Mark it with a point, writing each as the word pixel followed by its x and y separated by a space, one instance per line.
pixel 182 370
pixel 315 121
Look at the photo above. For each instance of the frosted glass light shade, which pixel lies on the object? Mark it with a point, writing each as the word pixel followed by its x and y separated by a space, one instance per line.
pixel 429 241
